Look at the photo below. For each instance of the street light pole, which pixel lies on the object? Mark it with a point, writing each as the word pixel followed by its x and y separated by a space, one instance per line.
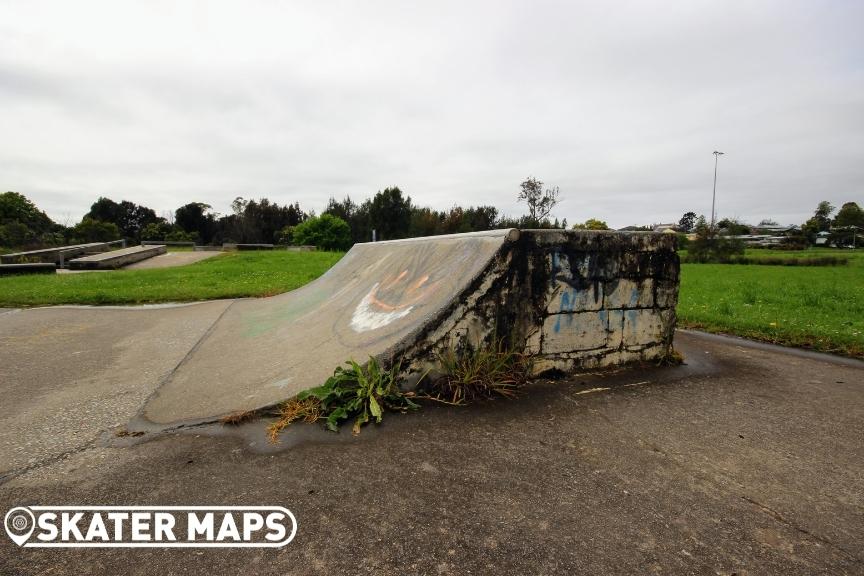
pixel 714 193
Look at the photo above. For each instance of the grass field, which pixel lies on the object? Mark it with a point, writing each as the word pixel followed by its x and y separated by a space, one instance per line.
pixel 814 307
pixel 229 275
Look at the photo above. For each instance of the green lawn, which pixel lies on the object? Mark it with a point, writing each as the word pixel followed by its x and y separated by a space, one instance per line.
pixel 229 275
pixel 813 307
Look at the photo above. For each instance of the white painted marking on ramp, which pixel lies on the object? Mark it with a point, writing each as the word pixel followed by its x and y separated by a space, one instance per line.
pixel 283 383
pixel 365 318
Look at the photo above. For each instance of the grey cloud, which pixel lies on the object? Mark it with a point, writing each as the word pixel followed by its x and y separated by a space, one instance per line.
pixel 619 104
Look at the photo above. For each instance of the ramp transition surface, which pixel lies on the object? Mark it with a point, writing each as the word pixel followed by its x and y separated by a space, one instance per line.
pixel 259 352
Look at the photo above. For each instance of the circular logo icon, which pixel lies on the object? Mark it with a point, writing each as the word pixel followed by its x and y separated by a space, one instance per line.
pixel 20 523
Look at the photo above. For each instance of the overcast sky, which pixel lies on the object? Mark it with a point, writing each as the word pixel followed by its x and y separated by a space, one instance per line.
pixel 620 104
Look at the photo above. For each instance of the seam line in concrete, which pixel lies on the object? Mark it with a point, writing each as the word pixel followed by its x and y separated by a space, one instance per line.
pixel 170 374
pixel 780 518
pixel 6 476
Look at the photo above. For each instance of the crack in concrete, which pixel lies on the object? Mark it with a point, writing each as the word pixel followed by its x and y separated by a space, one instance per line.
pixel 9 475
pixel 96 442
pixel 783 520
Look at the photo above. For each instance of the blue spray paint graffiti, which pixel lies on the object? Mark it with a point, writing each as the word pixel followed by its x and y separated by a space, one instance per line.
pixel 631 318
pixel 634 297
pixel 566 306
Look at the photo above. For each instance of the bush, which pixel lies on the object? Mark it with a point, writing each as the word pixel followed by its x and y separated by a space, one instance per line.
pixel 709 246
pixel 156 231
pixel 327 232
pixel 285 236
pixel 181 236
pixel 15 234
pixel 90 230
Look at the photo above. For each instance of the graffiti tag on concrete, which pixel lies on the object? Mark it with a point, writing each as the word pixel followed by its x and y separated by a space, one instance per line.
pixel 390 300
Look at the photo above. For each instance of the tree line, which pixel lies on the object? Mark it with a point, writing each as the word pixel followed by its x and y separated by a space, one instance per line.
pixel 389 214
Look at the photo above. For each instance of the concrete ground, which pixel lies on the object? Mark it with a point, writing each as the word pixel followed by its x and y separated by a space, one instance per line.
pixel 171 259
pixel 167 260
pixel 747 460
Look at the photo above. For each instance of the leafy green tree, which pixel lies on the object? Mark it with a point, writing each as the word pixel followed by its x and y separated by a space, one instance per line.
pixel 850 214
pixel 733 227
pixel 129 217
pixel 687 222
pixel 157 231
pixel 455 222
pixel 425 222
pixel 591 224
pixel 17 207
pixel 356 215
pixel 848 225
pixel 344 210
pixel 90 230
pixel 178 235
pixel 285 236
pixel 709 246
pixel 22 223
pixel 390 214
pixel 16 234
pixel 481 218
pixel 540 202
pixel 819 222
pixel 259 221
pixel 327 232
pixel 197 218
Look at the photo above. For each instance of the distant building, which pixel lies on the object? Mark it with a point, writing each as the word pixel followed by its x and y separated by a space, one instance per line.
pixel 773 229
pixel 767 236
pixel 665 227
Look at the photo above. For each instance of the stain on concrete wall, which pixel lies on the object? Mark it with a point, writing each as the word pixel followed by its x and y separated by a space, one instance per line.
pixel 574 299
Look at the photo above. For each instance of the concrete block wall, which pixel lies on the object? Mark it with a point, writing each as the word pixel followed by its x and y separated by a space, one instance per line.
pixel 608 298
pixel 575 300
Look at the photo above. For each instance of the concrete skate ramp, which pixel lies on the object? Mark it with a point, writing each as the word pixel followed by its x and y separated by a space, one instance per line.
pixel 372 303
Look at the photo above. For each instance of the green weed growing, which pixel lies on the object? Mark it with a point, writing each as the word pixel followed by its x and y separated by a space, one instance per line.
pixel 365 393
pixel 355 391
pixel 479 372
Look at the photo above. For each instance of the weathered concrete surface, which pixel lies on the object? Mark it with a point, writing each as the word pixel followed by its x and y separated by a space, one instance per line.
pixel 52 255
pixel 171 259
pixel 746 461
pixel 116 258
pixel 66 373
pixel 374 302
pixel 594 299
pixel 578 299
pixel 167 243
